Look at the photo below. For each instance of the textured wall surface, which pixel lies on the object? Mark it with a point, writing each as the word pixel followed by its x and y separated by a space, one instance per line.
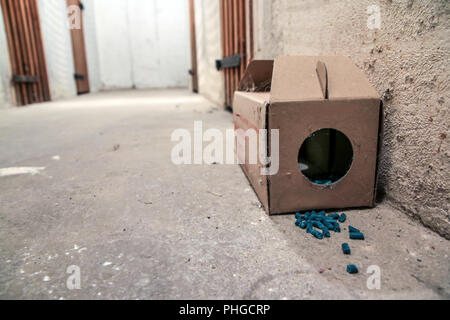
pixel 143 44
pixel 407 61
pixel 209 48
pixel 5 70
pixel 90 36
pixel 58 48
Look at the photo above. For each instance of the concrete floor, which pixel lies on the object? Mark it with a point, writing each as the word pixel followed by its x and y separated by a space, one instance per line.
pixel 111 202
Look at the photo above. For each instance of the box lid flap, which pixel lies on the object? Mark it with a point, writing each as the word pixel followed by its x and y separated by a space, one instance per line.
pixel 257 77
pixel 297 79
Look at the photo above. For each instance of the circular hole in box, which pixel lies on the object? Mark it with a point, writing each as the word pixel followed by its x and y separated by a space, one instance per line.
pixel 325 156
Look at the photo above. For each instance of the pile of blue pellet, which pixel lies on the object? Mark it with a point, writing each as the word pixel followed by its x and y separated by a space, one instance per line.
pixel 312 222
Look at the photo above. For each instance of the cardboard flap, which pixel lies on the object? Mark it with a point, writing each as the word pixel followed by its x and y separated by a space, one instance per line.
pixel 297 79
pixel 322 74
pixel 257 77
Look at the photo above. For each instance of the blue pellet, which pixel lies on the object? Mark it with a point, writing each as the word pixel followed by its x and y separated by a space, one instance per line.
pixel 317 234
pixel 323 182
pixel 334 216
pixel 329 225
pixel 351 268
pixel 346 248
pixel 326 234
pixel 303 225
pixel 318 224
pixel 342 218
pixel 352 229
pixel 298 215
pixel 309 227
pixel 337 228
pixel 356 236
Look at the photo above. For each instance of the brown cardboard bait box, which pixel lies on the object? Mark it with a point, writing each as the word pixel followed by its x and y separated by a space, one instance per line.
pixel 329 120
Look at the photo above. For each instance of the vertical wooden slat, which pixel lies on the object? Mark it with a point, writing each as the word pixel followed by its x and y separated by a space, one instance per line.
pixel 222 20
pixel 193 47
pixel 230 48
pixel 242 38
pixel 25 47
pixel 37 87
pixel 249 30
pixel 235 42
pixel 30 63
pixel 40 49
pixel 17 28
pixel 227 49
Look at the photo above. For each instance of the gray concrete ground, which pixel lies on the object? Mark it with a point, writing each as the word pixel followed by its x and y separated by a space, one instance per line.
pixel 139 227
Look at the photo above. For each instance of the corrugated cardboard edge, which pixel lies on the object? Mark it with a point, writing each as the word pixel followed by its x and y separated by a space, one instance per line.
pixel 379 151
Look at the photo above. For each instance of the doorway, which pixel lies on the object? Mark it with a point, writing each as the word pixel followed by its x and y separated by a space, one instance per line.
pixel 26 51
pixel 75 12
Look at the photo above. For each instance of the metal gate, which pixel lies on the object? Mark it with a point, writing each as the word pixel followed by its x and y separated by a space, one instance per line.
pixel 26 51
pixel 237 43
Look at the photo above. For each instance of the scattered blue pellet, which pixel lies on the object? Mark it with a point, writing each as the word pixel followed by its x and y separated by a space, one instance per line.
pixel 346 248
pixel 353 229
pixel 342 218
pixel 351 268
pixel 300 216
pixel 337 228
pixel 334 216
pixel 317 234
pixel 356 236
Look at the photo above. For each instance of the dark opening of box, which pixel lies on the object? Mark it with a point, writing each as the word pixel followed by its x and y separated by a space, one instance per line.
pixel 325 156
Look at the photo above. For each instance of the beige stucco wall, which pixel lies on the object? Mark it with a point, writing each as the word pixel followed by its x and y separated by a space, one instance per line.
pixel 407 61
pixel 209 48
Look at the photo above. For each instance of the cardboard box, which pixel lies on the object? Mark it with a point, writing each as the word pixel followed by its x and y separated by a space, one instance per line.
pixel 330 127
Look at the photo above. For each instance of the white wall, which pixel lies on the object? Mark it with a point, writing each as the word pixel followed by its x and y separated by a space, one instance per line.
pixel 90 37
pixel 5 70
pixel 143 44
pixel 58 48
pixel 209 48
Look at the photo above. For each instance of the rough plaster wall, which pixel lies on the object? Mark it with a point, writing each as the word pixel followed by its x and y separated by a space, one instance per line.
pixel 5 68
pixel 407 61
pixel 209 48
pixel 90 36
pixel 143 44
pixel 58 48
